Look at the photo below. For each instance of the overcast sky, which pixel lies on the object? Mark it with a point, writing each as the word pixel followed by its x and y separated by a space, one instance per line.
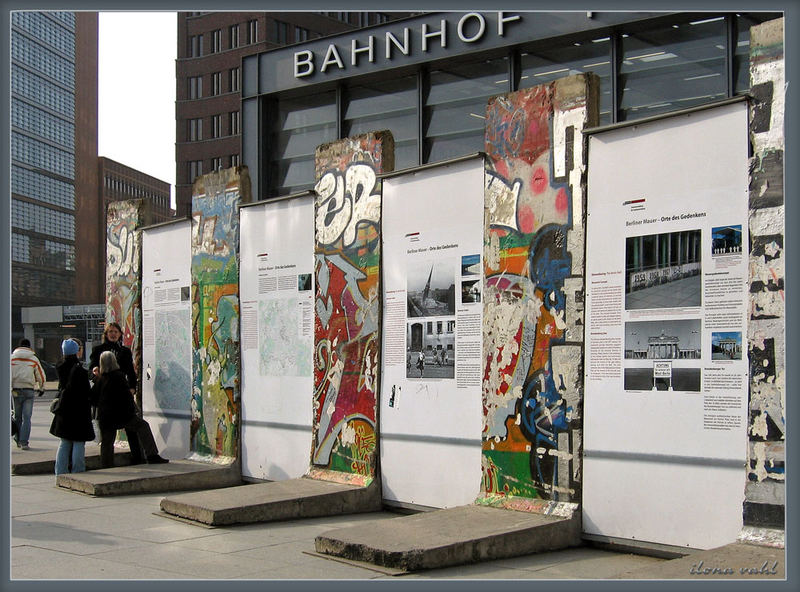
pixel 136 91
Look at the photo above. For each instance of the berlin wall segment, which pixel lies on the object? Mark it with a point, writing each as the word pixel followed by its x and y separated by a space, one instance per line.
pixel 765 490
pixel 215 420
pixel 533 312
pixel 347 313
pixel 123 272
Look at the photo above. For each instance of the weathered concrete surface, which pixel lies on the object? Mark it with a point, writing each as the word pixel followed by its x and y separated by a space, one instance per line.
pixel 731 562
pixel 176 475
pixel 42 462
pixel 466 534
pixel 276 500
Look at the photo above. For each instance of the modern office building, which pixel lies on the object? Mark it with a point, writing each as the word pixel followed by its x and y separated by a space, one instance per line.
pixel 53 154
pixel 427 79
pixel 211 46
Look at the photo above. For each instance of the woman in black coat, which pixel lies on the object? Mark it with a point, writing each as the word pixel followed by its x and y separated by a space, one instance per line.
pixel 72 422
pixel 116 410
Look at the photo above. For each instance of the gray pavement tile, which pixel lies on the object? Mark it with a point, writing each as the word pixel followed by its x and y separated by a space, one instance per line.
pixel 328 570
pixel 184 562
pixel 57 535
pixel 70 567
pixel 282 554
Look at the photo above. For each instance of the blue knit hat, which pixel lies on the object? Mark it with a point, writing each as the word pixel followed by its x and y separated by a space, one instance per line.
pixel 69 347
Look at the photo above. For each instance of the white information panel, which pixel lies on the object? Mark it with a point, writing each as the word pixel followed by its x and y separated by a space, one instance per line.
pixel 430 408
pixel 277 337
pixel 666 373
pixel 166 370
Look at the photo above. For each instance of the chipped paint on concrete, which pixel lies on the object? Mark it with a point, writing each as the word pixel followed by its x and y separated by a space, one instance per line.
pixel 533 305
pixel 767 310
pixel 347 303
pixel 214 430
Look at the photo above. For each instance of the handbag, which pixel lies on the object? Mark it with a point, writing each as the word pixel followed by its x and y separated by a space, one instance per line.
pixel 55 405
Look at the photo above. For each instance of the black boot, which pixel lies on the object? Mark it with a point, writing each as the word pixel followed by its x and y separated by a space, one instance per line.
pixel 155 459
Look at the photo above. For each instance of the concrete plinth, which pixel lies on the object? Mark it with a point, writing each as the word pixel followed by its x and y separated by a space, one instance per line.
pixel 177 475
pixel 42 462
pixel 455 536
pixel 277 500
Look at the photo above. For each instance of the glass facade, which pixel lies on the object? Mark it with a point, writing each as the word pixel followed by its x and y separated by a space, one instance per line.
pixel 437 112
pixel 42 157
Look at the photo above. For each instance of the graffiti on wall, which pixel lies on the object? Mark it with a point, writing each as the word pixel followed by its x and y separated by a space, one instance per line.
pixel 766 329
pixel 533 312
pixel 215 399
pixel 347 301
pixel 123 263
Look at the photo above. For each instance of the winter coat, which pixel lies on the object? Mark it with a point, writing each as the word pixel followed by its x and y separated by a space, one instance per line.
pixel 113 399
pixel 73 420
pixel 26 369
pixel 124 359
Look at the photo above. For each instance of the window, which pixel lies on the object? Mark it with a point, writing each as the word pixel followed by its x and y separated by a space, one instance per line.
pixel 216 83
pixel 195 87
pixel 430 328
pixel 234 160
pixel 281 32
pixel 455 107
pixel 195 129
pixel 233 36
pixel 216 41
pixel 302 124
pixel 195 49
pixel 439 327
pixel 216 126
pixel 392 105
pixel 233 122
pixel 252 31
pixel 233 80
pixel 673 67
pixel 451 326
pixel 301 34
pixel 216 163
pixel 195 169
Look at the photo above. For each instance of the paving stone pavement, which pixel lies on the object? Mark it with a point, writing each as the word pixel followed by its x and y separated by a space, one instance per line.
pixel 61 534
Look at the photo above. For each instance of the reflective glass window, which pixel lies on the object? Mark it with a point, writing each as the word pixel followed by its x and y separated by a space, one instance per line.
pixel 672 68
pixel 302 124
pixel 455 107
pixel 388 105
pixel 549 63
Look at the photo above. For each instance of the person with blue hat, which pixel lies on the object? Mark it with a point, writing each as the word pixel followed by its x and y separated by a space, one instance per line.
pixel 72 421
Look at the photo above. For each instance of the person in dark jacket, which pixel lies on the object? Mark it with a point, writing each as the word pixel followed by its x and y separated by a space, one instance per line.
pixel 73 420
pixel 112 341
pixel 116 410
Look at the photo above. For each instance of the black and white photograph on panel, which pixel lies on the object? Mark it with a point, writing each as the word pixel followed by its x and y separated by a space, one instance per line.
pixel 470 291
pixel 662 375
pixel 431 288
pixel 726 345
pixel 726 240
pixel 431 348
pixel 668 339
pixel 663 270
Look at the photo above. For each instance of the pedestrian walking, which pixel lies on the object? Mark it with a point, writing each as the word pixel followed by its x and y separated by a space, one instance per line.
pixel 421 363
pixel 116 410
pixel 72 419
pixel 27 377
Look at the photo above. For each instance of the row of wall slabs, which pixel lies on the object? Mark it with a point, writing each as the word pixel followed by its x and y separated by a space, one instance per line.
pixel 449 298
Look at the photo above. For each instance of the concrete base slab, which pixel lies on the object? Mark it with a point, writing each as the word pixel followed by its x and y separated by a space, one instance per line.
pixel 42 462
pixel 177 475
pixel 455 536
pixel 733 562
pixel 276 500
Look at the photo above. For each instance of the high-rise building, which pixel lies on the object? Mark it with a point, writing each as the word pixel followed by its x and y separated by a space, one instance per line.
pixel 211 46
pixel 53 154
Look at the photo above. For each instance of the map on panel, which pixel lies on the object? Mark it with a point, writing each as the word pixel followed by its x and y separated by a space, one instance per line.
pixel 280 325
pixel 172 382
